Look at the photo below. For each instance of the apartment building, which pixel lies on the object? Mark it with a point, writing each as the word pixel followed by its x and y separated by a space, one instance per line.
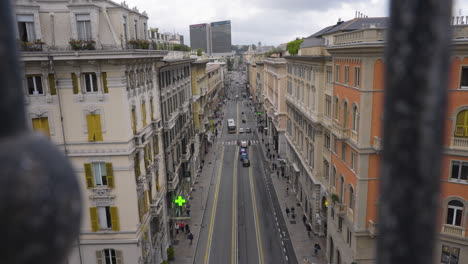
pixel 346 139
pixel 99 102
pixel 274 74
pixel 199 92
pixel 216 73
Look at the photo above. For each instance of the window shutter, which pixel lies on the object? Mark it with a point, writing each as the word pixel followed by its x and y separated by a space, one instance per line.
pixel 104 82
pixel 134 124
pixel 143 113
pixel 461 124
pixel 97 127
pixel 90 123
pixel 152 110
pixel 94 219
pixel 89 175
pixel 45 126
pixel 110 175
pixel 140 208
pixel 37 124
pixel 53 89
pixel 146 201
pixel 115 219
pixel 76 89
pixel 119 257
pixel 100 257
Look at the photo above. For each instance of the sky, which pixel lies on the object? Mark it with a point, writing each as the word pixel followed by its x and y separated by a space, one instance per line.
pixel 271 22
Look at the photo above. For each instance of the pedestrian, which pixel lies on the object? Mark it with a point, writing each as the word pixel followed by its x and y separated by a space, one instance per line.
pixel 309 229
pixel 188 212
pixel 187 229
pixel 268 150
pixel 287 190
pixel 287 211
pixel 316 249
pixel 292 210
pixel 190 237
pixel 274 156
pixel 182 227
pixel 277 173
pixel 177 228
pixel 304 218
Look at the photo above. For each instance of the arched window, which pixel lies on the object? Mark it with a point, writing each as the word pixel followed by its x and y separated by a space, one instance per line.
pixel 337 108
pixel 355 118
pixel 454 213
pixel 345 114
pixel 313 98
pixel 342 189
pixel 351 197
pixel 461 126
pixel 333 177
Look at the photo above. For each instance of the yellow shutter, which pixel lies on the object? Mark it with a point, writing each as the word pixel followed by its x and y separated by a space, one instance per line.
pixel 100 257
pixel 137 165
pixel 110 175
pixel 115 219
pixel 156 145
pixel 152 109
pixel 134 123
pixel 91 129
pixel 97 128
pixel 76 89
pixel 53 89
pixel 94 219
pixel 45 126
pixel 146 201
pixel 104 82
pixel 37 124
pixel 89 175
pixel 461 126
pixel 143 113
pixel 140 208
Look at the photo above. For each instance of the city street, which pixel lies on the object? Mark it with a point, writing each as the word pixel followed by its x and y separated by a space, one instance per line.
pixel 242 221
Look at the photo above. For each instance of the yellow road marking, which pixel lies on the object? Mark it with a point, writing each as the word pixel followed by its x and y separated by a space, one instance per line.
pixel 257 225
pixel 234 207
pixel 213 210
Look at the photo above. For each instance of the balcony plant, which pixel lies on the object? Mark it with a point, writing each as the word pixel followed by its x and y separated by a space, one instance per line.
pixel 77 44
pixel 138 44
pixel 170 253
pixel 334 198
pixel 31 46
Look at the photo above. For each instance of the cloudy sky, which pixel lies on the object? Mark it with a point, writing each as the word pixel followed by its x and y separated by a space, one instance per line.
pixel 270 21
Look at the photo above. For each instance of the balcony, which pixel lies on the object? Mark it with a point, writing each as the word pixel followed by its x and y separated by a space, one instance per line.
pixel 377 145
pixel 339 131
pixel 360 36
pixel 157 204
pixel 459 143
pixel 172 184
pixel 452 230
pixel 354 136
pixel 350 214
pixel 186 156
pixel 31 46
pixel 372 228
pixel 76 44
pixel 340 209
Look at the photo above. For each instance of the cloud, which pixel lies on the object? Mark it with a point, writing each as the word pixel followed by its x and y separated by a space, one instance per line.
pixel 270 21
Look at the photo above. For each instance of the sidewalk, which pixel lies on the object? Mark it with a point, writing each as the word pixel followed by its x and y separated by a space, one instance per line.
pixel 184 252
pixel 302 243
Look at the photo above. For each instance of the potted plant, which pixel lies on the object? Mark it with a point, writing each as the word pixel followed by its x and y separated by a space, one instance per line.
pixel 77 44
pixel 334 198
pixel 170 253
pixel 32 46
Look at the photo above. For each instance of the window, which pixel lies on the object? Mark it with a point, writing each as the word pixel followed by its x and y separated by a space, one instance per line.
pixel 450 255
pixel 342 189
pixel 335 145
pixel 329 74
pixel 459 170
pixel 94 127
pixel 357 76
pixel 145 30
pixel 326 169
pixel 337 73
pixel 333 177
pixel 343 152
pixel 143 113
pixel 26 28
pixel 355 125
pixel 454 213
pixel 351 198
pixel 348 237
pixel 83 26
pixel 41 124
pixel 464 78
pixel 125 28
pixel 461 125
pixel 313 98
pixel 337 108
pixel 136 29
pixel 353 161
pixel 91 82
pixel 109 256
pixel 340 224
pixel 35 85
pixel 327 141
pixel 104 215
pixel 99 172
pixel 346 74
pixel 104 218
pixel 345 114
pixel 328 104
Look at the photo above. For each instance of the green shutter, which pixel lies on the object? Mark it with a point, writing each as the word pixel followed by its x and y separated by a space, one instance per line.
pixel 53 89
pixel 94 219
pixel 115 219
pixel 89 175
pixel 100 257
pixel 104 82
pixel 76 89
pixel 110 175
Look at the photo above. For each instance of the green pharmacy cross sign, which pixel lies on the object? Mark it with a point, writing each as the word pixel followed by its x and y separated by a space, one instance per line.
pixel 259 113
pixel 180 201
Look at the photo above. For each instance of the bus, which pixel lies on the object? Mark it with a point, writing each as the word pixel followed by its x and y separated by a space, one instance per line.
pixel 231 126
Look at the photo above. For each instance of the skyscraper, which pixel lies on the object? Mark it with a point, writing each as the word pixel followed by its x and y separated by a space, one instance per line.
pixel 221 36
pixel 200 37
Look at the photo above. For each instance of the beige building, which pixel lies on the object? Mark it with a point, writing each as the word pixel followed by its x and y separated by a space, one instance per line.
pixel 199 92
pixel 99 102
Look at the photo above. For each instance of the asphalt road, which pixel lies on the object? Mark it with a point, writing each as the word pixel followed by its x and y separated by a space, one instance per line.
pixel 239 224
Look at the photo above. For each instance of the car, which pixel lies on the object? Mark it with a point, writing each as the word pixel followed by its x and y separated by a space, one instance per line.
pixel 243 155
pixel 242 149
pixel 246 163
pixel 241 130
pixel 243 144
pixel 248 130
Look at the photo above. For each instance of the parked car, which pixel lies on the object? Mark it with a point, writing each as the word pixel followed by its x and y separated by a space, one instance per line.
pixel 241 130
pixel 246 163
pixel 244 144
pixel 243 155
pixel 242 150
pixel 248 130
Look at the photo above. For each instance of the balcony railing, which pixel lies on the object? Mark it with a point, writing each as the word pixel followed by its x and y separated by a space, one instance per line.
pixel 459 143
pixel 172 184
pixel 340 131
pixel 377 145
pixel 372 228
pixel 453 230
pixel 359 36
pixel 31 46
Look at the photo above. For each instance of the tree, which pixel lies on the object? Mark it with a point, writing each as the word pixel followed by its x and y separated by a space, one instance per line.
pixel 199 52
pixel 293 46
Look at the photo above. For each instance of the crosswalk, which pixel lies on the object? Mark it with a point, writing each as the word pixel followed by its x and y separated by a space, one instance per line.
pixel 234 142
